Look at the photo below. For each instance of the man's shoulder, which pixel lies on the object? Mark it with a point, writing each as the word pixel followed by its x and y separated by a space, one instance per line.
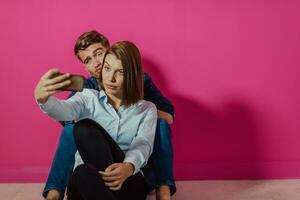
pixel 91 83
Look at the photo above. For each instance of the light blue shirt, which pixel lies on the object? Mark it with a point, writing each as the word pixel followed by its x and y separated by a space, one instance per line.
pixel 133 128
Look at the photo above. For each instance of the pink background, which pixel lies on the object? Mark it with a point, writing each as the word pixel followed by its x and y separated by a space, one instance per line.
pixel 231 68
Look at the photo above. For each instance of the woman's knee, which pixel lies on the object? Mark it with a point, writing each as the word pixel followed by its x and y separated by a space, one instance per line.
pixel 82 129
pixel 82 170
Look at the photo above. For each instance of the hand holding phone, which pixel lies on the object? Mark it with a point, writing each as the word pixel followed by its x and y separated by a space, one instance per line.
pixel 77 83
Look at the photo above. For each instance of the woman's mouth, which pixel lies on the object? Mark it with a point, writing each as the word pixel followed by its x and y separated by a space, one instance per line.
pixel 110 87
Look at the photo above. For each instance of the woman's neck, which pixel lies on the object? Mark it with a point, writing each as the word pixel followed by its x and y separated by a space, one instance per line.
pixel 115 101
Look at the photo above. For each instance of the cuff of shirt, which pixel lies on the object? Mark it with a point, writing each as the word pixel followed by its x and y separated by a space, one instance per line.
pixel 47 105
pixel 131 158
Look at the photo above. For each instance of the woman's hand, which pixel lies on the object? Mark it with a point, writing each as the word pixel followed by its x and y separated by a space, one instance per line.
pixel 48 86
pixel 115 174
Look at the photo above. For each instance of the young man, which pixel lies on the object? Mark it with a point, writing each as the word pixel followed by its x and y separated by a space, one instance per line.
pixel 90 49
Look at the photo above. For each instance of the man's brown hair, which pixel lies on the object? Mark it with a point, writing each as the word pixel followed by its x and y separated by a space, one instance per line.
pixel 133 86
pixel 89 38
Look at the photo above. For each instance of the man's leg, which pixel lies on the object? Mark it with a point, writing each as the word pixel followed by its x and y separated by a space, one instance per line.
pixel 159 170
pixel 63 162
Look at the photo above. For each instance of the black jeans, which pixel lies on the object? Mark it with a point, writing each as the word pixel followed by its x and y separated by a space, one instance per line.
pixel 98 150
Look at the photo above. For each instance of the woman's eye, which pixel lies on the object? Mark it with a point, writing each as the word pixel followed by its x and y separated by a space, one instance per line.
pixel 106 68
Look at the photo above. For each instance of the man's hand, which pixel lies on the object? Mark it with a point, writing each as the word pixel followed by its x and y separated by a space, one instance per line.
pixel 48 86
pixel 115 174
pixel 166 116
pixel 53 195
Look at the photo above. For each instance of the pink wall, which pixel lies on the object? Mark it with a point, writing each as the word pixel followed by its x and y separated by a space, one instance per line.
pixel 231 69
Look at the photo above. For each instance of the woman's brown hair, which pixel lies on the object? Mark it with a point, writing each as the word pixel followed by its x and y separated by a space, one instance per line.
pixel 133 86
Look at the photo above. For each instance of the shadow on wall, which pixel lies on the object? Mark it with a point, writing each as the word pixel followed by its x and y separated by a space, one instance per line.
pixel 211 143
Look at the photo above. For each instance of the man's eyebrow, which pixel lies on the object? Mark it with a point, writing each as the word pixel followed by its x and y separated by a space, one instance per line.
pixel 98 50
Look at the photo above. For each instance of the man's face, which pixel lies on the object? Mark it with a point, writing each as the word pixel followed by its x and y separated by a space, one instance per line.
pixel 113 76
pixel 92 58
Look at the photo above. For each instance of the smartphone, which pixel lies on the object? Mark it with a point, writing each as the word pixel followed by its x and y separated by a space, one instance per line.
pixel 77 83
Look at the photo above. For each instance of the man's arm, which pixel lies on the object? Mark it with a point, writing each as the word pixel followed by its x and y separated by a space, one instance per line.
pixel 164 106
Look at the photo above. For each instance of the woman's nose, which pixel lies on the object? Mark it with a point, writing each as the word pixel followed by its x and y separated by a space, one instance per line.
pixel 111 77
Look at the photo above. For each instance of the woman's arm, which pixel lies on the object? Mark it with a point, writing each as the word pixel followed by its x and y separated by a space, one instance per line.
pixel 64 110
pixel 142 145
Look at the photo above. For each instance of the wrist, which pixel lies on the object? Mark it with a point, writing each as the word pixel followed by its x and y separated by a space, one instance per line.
pixel 131 167
pixel 42 100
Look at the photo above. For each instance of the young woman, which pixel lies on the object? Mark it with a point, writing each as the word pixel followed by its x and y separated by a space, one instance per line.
pixel 115 129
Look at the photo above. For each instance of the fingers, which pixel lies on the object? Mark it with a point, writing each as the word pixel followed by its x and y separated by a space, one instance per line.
pixel 113 183
pixel 57 79
pixel 112 166
pixel 116 188
pixel 110 178
pixel 114 172
pixel 58 85
pixel 50 73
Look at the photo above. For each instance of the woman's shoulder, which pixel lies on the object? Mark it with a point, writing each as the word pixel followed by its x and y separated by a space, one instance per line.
pixel 89 93
pixel 146 105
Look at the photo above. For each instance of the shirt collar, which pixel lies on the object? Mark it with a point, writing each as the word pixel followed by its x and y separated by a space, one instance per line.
pixel 102 96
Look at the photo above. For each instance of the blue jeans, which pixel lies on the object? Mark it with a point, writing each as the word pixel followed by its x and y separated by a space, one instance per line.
pixel 158 171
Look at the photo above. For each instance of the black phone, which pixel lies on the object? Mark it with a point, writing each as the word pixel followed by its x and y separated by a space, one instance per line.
pixel 77 84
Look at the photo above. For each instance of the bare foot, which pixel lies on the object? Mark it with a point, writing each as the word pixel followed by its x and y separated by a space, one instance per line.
pixel 53 195
pixel 163 193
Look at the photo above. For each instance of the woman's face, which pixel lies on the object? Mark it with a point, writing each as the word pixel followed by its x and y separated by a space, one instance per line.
pixel 113 76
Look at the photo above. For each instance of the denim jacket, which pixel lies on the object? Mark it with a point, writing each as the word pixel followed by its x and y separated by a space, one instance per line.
pixel 151 93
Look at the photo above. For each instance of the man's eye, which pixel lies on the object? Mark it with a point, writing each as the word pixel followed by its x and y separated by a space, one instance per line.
pixel 87 61
pixel 99 54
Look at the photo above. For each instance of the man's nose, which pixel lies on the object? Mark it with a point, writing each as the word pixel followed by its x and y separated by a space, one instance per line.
pixel 96 62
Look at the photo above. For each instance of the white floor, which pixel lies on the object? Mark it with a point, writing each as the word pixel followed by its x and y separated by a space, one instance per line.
pixel 189 190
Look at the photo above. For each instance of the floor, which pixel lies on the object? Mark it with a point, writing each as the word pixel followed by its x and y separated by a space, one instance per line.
pixel 189 190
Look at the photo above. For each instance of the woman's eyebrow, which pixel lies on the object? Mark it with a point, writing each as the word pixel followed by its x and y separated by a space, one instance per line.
pixel 106 63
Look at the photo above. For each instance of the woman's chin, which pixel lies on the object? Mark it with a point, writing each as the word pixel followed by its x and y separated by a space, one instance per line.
pixel 110 91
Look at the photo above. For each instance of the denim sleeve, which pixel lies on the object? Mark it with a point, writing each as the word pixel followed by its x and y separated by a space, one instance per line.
pixel 153 94
pixel 90 83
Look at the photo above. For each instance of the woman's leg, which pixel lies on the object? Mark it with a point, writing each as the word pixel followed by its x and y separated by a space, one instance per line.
pixel 95 145
pixel 98 150
pixel 134 188
pixel 87 184
pixel 62 164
